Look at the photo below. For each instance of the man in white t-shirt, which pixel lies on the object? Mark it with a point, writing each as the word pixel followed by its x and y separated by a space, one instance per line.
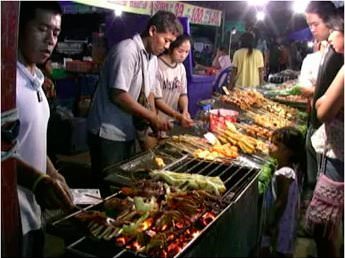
pixel 308 74
pixel 128 70
pixel 39 183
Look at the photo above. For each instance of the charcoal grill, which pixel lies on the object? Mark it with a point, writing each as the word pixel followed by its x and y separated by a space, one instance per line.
pixel 232 233
pixel 126 171
pixel 176 160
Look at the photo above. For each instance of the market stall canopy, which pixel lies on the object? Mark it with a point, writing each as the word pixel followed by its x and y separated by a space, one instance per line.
pixel 195 14
pixel 302 35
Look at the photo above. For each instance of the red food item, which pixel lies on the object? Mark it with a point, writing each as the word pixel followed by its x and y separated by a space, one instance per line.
pixel 211 71
pixel 218 118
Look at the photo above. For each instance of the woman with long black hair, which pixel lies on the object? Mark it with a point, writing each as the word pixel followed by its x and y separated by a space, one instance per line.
pixel 248 64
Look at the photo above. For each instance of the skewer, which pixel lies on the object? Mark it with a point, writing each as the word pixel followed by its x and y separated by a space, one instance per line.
pixel 95 197
pixel 79 210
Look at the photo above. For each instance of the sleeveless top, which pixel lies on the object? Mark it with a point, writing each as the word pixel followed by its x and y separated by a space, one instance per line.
pixel 329 138
pixel 287 225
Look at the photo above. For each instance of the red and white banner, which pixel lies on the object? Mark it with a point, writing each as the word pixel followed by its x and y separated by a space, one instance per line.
pixel 196 14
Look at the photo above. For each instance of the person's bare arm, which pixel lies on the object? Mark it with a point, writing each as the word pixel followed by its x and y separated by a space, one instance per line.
pixel 48 191
pixel 151 100
pixel 307 91
pixel 26 174
pixel 183 104
pixel 165 108
pixel 332 101
pixel 283 184
pixel 262 74
pixel 51 171
pixel 54 174
pixel 233 76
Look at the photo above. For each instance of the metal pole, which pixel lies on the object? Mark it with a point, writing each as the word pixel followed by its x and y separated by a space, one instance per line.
pixel 230 43
pixel 232 32
pixel 223 28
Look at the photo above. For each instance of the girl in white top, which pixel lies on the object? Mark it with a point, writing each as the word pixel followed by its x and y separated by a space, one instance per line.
pixel 282 199
pixel 171 98
pixel 171 94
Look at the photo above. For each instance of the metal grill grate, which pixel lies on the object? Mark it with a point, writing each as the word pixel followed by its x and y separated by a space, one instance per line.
pixel 235 177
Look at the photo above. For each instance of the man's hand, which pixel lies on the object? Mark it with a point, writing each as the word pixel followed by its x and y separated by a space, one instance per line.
pixel 58 177
pixel 186 114
pixel 307 91
pixel 52 193
pixel 159 124
pixel 186 121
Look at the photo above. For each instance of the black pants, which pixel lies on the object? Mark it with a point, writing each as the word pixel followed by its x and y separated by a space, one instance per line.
pixel 310 177
pixel 33 243
pixel 105 153
pixel 312 166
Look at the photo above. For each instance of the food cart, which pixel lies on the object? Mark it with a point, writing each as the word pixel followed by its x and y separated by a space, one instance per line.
pixel 235 159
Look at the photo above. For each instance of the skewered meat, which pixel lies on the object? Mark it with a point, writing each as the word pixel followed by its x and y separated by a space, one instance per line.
pixel 146 188
pixel 159 228
pixel 116 204
pixel 191 181
pixel 99 225
pixel 87 216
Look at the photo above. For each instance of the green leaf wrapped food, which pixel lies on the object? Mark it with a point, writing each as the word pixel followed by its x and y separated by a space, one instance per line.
pixel 266 173
pixel 191 181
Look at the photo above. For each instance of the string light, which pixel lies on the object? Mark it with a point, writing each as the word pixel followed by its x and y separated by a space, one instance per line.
pixel 118 11
pixel 257 2
pixel 260 15
pixel 299 6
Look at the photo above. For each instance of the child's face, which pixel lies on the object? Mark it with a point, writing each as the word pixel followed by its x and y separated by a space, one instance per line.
pixel 277 149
